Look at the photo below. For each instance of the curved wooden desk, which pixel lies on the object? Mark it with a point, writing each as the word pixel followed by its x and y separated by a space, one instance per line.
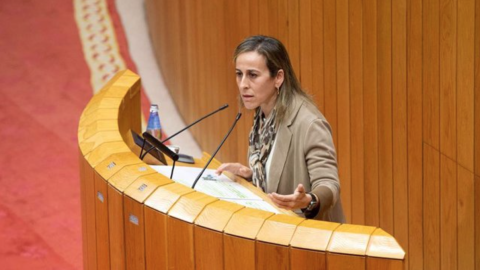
pixel 135 218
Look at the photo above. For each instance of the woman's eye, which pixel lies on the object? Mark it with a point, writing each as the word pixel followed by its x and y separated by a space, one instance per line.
pixel 253 75
pixel 238 74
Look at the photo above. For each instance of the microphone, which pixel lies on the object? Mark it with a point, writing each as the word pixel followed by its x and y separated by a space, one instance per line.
pixel 160 146
pixel 187 127
pixel 216 151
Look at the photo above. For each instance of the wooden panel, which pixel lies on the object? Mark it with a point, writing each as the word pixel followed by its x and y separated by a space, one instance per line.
pixel 448 61
pixel 155 239
pixel 180 252
pixel 415 145
pixel 247 222
pixel 208 249
pixel 216 215
pixel 134 234
pixel 270 256
pixel 466 219
pixel 330 75
pixel 343 111
pixel 279 229
pixel 431 53
pixel 305 52
pixel 189 206
pixel 465 83
pixel 385 114
pixel 317 53
pixel 477 100
pixel 293 36
pixel 128 174
pixel 399 121
pixel 384 264
pixel 383 245
pixel 166 196
pixel 431 207
pixel 356 114
pixel 239 252
pixel 83 204
pixel 350 239
pixel 117 232
pixel 345 262
pixel 101 222
pixel 477 222
pixel 313 234
pixel 448 213
pixel 370 107
pixel 90 198
pixel 307 259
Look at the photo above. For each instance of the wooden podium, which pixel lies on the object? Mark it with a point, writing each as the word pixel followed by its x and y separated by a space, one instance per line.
pixel 135 218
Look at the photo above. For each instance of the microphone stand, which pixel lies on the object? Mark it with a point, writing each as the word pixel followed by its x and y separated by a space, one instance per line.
pixel 216 151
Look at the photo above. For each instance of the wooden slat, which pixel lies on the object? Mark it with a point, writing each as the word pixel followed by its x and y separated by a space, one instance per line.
pixel 313 234
pixel 293 36
pixel 477 222
pixel 188 207
pixel 307 259
pixel 345 262
pixel 216 215
pixel 383 245
pixel 343 110
pixel 350 239
pixel 356 114
pixel 134 234
pixel 279 229
pixel 155 235
pixel 166 196
pixel 414 129
pixel 83 204
pixel 247 222
pixel 269 256
pixel 87 145
pixel 448 213
pixel 431 207
pixel 431 53
pixel 239 252
pixel 305 54
pixel 145 185
pixel 399 121
pixel 317 54
pixel 101 222
pixel 448 66
pixel 477 98
pixel 385 165
pixel 180 243
pixel 116 162
pixel 208 249
pixel 90 197
pixel 465 84
pixel 384 264
pixel 105 150
pixel 370 106
pixel 117 232
pixel 128 174
pixel 466 219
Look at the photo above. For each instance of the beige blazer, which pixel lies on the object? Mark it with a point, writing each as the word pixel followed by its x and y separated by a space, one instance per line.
pixel 304 153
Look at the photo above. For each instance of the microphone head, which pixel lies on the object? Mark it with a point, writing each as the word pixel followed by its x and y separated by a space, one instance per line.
pixel 238 116
pixel 224 107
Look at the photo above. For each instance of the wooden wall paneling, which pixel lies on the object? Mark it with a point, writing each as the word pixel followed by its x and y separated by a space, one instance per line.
pixel 293 35
pixel 477 97
pixel 465 84
pixel 466 218
pixel 191 73
pixel 448 213
pixel 343 110
pixel 304 72
pixel 239 252
pixel 134 234
pixel 385 165
pixel 316 58
pixel 414 259
pixel 101 222
pixel 431 57
pixel 370 112
pixel 384 264
pixel 90 197
pixel 431 207
pixel 116 233
pixel 180 252
pixel 263 17
pixel 83 203
pixel 477 221
pixel 307 259
pixel 399 121
pixel 345 262
pixel 355 15
pixel 282 29
pixel 448 65
pixel 155 239
pixel 330 75
pixel 208 249
pixel 271 256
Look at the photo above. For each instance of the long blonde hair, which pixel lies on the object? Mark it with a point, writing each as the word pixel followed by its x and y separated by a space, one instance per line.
pixel 277 58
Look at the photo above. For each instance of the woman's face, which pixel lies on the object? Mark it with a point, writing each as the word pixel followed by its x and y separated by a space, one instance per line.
pixel 256 86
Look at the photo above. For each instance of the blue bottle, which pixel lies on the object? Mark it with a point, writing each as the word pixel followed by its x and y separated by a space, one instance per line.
pixel 154 127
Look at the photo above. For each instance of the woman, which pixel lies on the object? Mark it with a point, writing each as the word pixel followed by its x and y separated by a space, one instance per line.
pixel 291 152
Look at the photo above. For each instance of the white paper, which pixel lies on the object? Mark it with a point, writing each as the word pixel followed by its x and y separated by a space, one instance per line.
pixel 261 205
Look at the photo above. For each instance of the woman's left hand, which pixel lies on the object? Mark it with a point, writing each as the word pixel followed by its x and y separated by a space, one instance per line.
pixel 299 199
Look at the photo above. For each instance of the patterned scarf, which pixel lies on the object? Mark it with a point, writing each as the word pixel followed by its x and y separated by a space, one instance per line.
pixel 261 140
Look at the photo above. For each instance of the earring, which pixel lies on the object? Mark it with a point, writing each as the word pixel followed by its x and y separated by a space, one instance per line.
pixel 278 90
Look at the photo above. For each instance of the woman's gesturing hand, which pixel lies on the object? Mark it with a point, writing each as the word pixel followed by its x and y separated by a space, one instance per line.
pixel 235 168
pixel 299 199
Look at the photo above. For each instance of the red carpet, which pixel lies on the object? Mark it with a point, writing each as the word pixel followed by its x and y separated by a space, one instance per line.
pixel 44 86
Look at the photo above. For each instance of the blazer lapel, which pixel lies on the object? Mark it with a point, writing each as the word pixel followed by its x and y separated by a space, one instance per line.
pixel 282 147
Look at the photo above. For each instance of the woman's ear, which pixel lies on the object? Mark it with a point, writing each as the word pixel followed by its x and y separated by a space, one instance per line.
pixel 279 78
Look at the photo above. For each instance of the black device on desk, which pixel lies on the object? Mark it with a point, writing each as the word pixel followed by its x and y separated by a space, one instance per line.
pixel 157 154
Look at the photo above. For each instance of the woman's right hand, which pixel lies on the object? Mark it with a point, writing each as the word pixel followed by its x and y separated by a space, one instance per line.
pixel 235 168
